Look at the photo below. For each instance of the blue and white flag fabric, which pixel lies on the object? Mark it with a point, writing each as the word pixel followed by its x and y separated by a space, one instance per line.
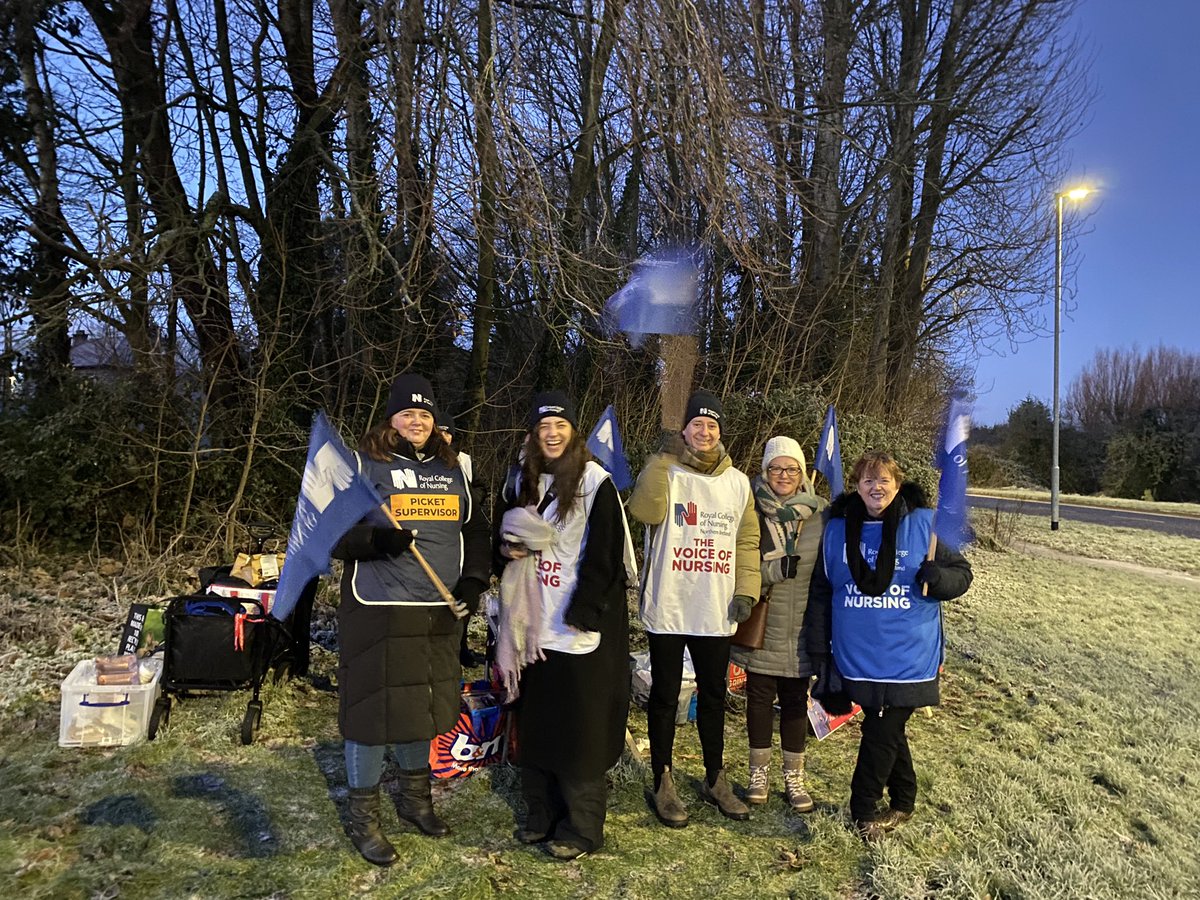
pixel 333 498
pixel 829 455
pixel 605 444
pixel 660 298
pixel 950 521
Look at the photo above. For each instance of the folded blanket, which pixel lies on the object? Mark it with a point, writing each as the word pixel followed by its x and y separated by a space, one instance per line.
pixel 518 642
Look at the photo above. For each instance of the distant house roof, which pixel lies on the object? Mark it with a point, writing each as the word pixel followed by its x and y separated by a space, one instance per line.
pixel 100 352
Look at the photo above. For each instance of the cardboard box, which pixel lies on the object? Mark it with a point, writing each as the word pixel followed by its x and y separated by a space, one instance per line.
pixel 106 715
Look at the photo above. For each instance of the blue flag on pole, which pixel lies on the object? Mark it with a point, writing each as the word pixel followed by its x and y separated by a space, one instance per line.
pixel 605 444
pixel 660 298
pixel 333 497
pixel 950 521
pixel 829 454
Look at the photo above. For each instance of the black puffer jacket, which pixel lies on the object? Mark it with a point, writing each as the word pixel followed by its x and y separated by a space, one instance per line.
pixel 953 579
pixel 398 671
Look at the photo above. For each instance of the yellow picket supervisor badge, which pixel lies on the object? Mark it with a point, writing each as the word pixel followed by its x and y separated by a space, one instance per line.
pixel 425 507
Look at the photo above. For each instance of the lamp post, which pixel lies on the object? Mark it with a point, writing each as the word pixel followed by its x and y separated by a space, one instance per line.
pixel 1059 199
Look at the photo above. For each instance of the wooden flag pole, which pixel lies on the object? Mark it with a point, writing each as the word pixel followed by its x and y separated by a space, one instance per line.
pixel 678 353
pixel 443 591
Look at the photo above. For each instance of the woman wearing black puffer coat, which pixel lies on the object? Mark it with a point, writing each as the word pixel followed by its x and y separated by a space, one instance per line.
pixel 398 641
pixel 874 618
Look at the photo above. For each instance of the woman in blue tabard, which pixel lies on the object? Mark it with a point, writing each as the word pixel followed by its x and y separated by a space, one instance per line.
pixel 398 669
pixel 874 618
pixel 563 645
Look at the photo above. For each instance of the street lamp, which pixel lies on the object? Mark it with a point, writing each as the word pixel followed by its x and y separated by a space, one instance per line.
pixel 1074 194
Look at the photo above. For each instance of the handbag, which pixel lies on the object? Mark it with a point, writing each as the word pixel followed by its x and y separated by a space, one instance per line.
pixel 750 633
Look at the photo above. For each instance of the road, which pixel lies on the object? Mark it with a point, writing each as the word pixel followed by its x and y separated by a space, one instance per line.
pixel 1095 515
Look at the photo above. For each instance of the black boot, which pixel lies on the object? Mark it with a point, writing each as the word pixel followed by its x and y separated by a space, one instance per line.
pixel 364 827
pixel 414 803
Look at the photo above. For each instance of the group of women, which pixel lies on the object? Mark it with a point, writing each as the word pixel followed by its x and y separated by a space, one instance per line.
pixel 851 594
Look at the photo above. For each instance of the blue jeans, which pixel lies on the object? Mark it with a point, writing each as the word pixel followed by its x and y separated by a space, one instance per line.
pixel 364 762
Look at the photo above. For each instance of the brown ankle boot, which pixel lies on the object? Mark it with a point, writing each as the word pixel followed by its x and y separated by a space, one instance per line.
pixel 414 803
pixel 364 828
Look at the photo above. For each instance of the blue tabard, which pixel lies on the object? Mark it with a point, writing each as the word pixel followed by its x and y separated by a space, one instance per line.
pixel 896 637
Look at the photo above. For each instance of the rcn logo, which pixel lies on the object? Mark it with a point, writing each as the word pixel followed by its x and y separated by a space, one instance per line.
pixel 685 514
pixel 420 398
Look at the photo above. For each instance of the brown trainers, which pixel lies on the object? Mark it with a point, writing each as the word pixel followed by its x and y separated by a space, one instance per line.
pixel 667 805
pixel 722 795
pixel 892 819
pixel 875 830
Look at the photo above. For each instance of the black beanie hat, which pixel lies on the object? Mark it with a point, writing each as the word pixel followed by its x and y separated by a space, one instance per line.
pixel 410 391
pixel 702 403
pixel 552 403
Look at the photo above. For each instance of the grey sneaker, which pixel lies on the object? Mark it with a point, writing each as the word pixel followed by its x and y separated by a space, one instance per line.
pixel 722 795
pixel 797 797
pixel 759 788
pixel 667 805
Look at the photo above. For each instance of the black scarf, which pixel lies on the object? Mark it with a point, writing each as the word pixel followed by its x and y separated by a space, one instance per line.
pixel 872 582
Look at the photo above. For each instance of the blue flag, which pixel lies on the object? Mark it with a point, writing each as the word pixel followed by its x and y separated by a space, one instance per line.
pixel 950 521
pixel 333 497
pixel 829 455
pixel 605 444
pixel 660 298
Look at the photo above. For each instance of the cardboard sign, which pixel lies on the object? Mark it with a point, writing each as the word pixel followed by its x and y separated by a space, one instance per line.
pixel 131 634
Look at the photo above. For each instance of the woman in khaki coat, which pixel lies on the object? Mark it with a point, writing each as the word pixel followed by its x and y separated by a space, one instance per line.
pixel 790 524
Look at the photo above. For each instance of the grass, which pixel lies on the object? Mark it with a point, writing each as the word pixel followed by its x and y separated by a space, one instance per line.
pixel 1191 510
pixel 1172 553
pixel 1062 764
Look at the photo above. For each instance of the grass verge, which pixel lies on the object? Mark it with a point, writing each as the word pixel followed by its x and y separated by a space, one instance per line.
pixel 1062 764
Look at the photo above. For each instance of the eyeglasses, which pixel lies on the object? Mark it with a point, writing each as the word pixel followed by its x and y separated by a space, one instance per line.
pixel 790 471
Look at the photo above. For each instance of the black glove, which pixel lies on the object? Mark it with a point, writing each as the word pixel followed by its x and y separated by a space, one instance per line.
pixel 391 541
pixel 829 690
pixel 672 443
pixel 582 616
pixel 468 592
pixel 929 575
pixel 789 565
pixel 740 607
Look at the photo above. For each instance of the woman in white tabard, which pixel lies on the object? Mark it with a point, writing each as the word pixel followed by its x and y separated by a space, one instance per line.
pixel 563 647
pixel 700 579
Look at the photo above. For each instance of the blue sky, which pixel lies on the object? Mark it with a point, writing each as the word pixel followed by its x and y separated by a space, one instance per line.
pixel 1136 255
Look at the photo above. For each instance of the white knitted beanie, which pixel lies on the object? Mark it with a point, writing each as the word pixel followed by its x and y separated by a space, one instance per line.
pixel 784 446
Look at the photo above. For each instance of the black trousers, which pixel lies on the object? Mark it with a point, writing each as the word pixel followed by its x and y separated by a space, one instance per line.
pixel 883 761
pixel 564 808
pixel 710 659
pixel 761 691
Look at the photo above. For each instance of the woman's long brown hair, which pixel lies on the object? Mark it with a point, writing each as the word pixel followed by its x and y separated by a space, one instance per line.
pixel 383 440
pixel 567 470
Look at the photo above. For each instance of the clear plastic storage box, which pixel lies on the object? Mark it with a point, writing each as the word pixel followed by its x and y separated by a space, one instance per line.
pixel 107 715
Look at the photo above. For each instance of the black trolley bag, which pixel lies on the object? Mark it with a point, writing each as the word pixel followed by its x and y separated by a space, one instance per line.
pixel 214 643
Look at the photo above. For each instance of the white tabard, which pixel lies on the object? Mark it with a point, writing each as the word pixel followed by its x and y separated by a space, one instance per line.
pixel 558 566
pixel 689 574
